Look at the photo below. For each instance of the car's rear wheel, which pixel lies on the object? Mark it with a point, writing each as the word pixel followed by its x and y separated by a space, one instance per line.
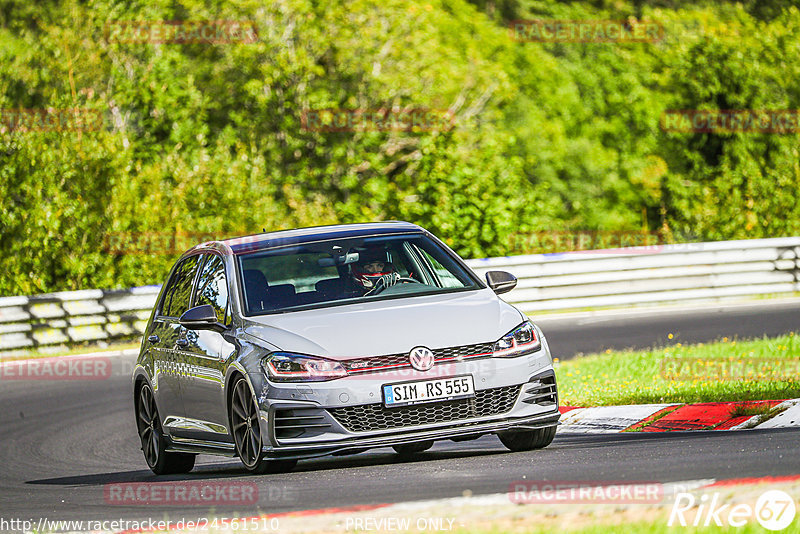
pixel 247 432
pixel 154 445
pixel 527 440
pixel 408 449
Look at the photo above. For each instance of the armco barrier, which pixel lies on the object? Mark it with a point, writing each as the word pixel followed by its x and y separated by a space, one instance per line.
pixel 547 282
pixel 654 274
pixel 74 316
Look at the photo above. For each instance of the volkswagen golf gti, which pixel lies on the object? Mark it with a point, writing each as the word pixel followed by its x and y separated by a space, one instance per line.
pixel 334 340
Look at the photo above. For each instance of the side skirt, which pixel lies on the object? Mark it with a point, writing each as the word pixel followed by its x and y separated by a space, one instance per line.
pixel 195 446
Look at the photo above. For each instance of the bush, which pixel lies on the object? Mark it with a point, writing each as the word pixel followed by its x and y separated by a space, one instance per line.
pixel 208 140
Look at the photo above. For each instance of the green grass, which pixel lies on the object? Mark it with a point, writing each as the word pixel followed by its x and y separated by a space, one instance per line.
pixel 728 370
pixel 749 410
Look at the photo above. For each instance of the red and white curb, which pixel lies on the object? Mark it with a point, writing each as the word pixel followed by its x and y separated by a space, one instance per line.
pixel 676 417
pixel 605 419
pixel 790 417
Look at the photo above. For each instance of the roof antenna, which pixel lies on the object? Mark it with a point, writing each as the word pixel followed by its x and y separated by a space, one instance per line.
pixel 263 230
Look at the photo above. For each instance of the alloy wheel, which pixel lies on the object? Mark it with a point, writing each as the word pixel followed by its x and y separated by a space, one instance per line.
pixel 149 426
pixel 244 422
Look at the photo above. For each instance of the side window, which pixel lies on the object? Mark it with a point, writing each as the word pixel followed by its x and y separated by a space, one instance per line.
pixel 445 277
pixel 212 287
pixel 176 297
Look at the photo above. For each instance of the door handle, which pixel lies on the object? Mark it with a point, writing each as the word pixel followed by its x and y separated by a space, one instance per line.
pixel 182 342
pixel 153 339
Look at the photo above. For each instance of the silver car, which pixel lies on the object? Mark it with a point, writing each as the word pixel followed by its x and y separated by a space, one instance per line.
pixel 334 340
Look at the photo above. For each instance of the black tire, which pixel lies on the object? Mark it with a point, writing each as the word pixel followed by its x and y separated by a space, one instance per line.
pixel 154 444
pixel 408 449
pixel 246 430
pixel 527 440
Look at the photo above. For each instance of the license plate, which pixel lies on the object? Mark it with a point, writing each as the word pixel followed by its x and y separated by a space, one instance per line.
pixel 422 391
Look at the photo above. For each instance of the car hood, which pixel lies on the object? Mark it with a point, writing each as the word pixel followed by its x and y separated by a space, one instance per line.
pixel 388 326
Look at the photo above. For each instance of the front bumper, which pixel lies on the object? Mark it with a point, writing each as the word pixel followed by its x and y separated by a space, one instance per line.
pixel 411 436
pixel 305 420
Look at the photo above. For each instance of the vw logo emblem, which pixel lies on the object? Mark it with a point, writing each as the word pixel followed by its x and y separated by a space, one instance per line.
pixel 421 358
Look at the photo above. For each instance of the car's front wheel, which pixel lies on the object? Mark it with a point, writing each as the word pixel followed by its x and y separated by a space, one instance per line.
pixel 527 440
pixel 247 432
pixel 154 445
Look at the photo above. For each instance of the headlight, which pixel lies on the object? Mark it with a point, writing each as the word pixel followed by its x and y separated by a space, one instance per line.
pixel 521 340
pixel 285 367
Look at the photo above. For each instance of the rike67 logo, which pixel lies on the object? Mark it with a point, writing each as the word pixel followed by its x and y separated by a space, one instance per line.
pixel 774 510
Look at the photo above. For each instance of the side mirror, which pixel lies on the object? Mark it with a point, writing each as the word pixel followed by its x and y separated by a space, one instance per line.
pixel 501 281
pixel 201 318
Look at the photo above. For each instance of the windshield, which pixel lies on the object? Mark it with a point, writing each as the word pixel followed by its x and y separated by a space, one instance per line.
pixel 344 271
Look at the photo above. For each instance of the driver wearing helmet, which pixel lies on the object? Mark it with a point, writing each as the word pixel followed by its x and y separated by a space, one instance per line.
pixel 372 270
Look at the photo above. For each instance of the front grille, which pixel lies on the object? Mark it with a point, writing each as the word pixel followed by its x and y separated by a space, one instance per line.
pixel 463 351
pixel 375 417
pixel 399 361
pixel 294 422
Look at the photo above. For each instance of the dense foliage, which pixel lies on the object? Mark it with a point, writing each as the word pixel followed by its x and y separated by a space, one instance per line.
pixel 201 140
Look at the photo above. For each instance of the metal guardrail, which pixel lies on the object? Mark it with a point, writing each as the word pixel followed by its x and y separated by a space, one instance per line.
pixel 547 282
pixel 653 274
pixel 72 317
